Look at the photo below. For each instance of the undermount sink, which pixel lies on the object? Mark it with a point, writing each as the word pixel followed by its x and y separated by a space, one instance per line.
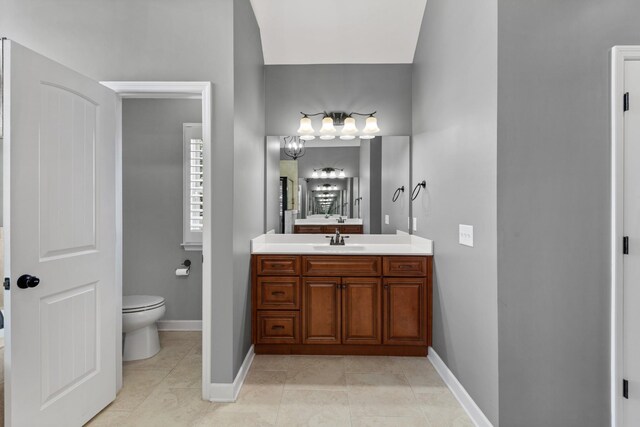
pixel 339 248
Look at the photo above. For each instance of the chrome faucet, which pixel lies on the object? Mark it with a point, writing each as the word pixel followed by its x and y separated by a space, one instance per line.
pixel 341 220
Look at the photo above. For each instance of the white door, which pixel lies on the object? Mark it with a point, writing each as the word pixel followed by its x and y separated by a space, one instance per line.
pixel 59 219
pixel 631 262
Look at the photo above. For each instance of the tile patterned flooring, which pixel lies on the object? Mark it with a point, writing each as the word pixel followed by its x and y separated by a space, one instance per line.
pixel 284 391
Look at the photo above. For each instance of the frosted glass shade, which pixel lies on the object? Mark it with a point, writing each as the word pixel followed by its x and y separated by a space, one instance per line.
pixel 349 127
pixel 332 174
pixel 314 174
pixel 307 137
pixel 305 126
pixel 367 136
pixel 347 137
pixel 327 137
pixel 323 174
pixel 327 126
pixel 371 125
pixel 342 175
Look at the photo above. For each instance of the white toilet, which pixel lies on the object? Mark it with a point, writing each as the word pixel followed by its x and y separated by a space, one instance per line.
pixel 139 316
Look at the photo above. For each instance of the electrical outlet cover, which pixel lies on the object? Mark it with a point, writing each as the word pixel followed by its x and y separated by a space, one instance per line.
pixel 386 219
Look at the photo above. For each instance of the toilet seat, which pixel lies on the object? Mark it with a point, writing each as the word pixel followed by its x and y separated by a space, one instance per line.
pixel 139 303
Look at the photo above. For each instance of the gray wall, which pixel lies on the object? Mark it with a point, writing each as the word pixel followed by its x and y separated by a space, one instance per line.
pixel 152 168
pixel 340 87
pixel 553 207
pixel 365 186
pixel 249 163
pixel 395 173
pixel 128 40
pixel 454 149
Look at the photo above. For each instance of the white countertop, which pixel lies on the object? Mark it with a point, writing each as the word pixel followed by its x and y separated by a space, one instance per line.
pixel 356 244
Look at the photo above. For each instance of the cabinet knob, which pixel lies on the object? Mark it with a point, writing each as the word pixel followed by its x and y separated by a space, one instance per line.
pixel 386 287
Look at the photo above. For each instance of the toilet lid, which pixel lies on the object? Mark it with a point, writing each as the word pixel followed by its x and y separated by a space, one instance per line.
pixel 137 302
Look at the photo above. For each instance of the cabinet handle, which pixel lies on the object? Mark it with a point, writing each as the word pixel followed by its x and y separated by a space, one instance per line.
pixel 277 265
pixel 386 287
pixel 404 267
pixel 277 327
pixel 277 293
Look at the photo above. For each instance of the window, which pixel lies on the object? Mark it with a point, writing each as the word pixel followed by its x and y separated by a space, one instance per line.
pixel 193 194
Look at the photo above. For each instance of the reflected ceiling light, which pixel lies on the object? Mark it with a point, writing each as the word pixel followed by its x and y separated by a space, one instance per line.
pixel 335 187
pixel 314 174
pixel 293 147
pixel 323 174
pixel 342 174
pixel 332 174
pixel 332 119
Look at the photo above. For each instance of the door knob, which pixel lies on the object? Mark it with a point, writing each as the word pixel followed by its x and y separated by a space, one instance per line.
pixel 26 281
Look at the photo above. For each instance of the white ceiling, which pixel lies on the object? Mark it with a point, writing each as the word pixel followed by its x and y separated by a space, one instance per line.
pixel 339 31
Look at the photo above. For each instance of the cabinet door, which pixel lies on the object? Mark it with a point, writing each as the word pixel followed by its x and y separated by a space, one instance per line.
pixel 405 311
pixel 361 311
pixel 321 310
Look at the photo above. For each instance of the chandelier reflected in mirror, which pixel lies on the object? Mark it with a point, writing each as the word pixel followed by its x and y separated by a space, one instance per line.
pixel 293 147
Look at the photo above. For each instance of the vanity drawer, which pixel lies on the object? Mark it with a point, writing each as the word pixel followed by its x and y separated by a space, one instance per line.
pixel 278 265
pixel 308 229
pixel 341 265
pixel 278 293
pixel 351 229
pixel 414 266
pixel 278 327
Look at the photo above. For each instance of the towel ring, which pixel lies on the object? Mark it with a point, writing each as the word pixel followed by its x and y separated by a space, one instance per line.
pixel 417 189
pixel 397 193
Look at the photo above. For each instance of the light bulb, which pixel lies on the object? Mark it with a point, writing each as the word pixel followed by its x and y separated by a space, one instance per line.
pixel 318 188
pixel 335 187
pixel 342 174
pixel 349 127
pixel 371 125
pixel 332 174
pixel 323 174
pixel 305 126
pixel 314 174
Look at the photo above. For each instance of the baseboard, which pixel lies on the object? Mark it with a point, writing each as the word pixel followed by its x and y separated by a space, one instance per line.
pixel 179 325
pixel 224 392
pixel 474 412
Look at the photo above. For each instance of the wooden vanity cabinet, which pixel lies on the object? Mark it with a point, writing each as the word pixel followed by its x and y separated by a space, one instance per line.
pixel 328 229
pixel 342 304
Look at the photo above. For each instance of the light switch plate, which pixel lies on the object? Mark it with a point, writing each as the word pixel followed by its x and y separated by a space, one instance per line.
pixel 415 224
pixel 465 235
pixel 386 219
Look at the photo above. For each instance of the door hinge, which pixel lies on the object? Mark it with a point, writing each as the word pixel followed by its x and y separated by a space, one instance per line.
pixel 625 103
pixel 625 245
pixel 7 283
pixel 625 389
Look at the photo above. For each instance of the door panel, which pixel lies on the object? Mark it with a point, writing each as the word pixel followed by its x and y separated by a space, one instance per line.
pixel 59 219
pixel 631 262
pixel 321 310
pixel 361 309
pixel 405 311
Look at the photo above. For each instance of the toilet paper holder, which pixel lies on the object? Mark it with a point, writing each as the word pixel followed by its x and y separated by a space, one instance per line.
pixel 184 269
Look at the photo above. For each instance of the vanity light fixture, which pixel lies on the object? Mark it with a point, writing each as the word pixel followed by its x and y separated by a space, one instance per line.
pixel 328 173
pixel 293 147
pixel 332 119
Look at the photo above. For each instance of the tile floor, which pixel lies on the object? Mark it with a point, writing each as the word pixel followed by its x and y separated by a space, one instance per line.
pixel 284 391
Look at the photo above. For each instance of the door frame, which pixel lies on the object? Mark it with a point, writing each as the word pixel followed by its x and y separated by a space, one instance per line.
pixel 167 90
pixel 619 54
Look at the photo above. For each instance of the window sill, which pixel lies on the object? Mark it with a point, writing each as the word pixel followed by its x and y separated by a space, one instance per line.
pixel 191 246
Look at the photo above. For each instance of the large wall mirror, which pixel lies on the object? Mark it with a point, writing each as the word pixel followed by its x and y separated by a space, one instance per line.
pixel 357 186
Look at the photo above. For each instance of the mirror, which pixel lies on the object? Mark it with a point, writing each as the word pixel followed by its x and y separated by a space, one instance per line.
pixel 357 186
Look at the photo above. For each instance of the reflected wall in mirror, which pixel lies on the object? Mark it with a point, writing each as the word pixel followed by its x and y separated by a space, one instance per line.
pixel 359 186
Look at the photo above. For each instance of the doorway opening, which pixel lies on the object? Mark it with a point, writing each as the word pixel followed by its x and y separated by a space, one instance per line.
pixel 153 172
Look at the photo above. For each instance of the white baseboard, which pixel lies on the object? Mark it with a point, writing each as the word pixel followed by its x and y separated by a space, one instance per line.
pixel 179 325
pixel 474 412
pixel 224 392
